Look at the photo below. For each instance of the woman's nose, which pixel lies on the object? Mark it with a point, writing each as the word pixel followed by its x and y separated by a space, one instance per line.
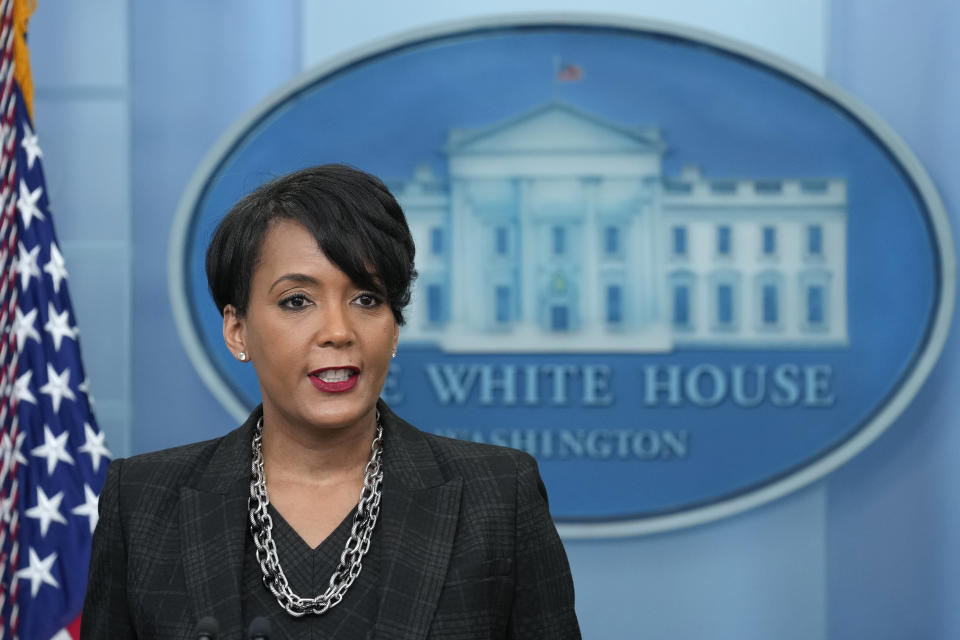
pixel 335 328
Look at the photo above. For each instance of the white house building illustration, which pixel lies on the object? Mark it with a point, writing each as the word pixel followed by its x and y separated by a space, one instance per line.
pixel 556 231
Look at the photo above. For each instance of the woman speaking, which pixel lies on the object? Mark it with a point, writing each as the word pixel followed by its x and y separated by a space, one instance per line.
pixel 324 515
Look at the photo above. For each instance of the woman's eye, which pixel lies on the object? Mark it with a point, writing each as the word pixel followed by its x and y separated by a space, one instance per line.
pixel 368 300
pixel 294 302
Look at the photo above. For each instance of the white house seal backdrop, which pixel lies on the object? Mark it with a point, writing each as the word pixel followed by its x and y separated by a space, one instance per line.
pixel 686 276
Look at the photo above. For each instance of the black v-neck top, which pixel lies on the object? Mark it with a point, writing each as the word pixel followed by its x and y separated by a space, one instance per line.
pixel 308 572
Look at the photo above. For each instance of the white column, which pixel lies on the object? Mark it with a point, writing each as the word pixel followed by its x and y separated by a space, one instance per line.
pixel 460 290
pixel 592 303
pixel 528 256
pixel 654 260
pixel 639 264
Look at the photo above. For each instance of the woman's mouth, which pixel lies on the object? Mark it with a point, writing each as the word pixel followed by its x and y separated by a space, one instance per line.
pixel 335 379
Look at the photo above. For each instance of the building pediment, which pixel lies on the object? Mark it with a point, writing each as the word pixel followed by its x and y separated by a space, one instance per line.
pixel 555 127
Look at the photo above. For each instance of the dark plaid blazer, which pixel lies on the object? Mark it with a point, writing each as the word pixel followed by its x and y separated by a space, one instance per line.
pixel 468 547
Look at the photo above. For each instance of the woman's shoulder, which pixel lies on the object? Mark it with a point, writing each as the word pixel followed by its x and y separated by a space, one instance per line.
pixel 468 460
pixel 170 462
pixel 479 463
pixel 458 452
pixel 192 465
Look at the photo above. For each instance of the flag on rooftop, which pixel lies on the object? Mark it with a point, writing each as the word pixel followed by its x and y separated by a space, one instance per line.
pixel 565 71
pixel 53 459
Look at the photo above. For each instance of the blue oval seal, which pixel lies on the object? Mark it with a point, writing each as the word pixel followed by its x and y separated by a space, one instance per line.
pixel 687 276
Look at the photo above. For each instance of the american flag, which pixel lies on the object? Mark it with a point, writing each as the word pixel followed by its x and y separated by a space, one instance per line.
pixel 53 459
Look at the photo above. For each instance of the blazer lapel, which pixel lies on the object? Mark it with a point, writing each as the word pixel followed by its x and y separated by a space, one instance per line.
pixel 213 529
pixel 419 513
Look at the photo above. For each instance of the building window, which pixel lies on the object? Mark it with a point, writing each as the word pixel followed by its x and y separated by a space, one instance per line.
pixel 559 317
pixel 503 304
pixel 435 304
pixel 770 304
pixel 814 302
pixel 769 241
pixel 724 299
pixel 768 290
pixel 723 240
pixel 436 241
pixel 611 240
pixel 681 305
pixel 614 304
pixel 815 315
pixel 724 305
pixel 679 241
pixel 559 241
pixel 815 240
pixel 682 290
pixel 500 241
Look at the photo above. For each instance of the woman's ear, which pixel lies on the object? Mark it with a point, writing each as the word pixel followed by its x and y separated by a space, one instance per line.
pixel 234 332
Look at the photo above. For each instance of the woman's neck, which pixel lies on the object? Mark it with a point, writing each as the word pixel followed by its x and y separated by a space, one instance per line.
pixel 315 457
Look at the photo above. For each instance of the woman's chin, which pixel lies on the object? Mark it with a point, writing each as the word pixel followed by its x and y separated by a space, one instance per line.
pixel 338 415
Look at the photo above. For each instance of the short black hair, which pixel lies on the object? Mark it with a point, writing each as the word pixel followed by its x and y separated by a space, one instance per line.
pixel 356 221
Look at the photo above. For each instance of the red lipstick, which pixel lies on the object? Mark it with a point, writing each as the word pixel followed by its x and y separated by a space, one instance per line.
pixel 335 379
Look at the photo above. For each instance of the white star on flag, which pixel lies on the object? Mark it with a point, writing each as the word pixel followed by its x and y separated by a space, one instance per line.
pixel 94 446
pixel 58 326
pixel 84 388
pixel 58 386
pixel 10 450
pixel 21 388
pixel 27 265
pixel 27 204
pixel 57 267
pixel 38 571
pixel 24 326
pixel 89 507
pixel 17 451
pixel 30 145
pixel 47 510
pixel 54 449
pixel 7 508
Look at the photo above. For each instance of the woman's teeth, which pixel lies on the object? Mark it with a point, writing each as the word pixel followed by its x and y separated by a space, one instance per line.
pixel 335 375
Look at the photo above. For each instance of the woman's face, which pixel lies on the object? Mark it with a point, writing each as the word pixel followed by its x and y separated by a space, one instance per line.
pixel 320 345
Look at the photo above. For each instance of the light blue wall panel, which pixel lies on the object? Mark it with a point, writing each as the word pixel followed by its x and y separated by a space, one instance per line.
pixel 86 158
pixel 80 44
pixel 101 299
pixel 756 575
pixel 894 517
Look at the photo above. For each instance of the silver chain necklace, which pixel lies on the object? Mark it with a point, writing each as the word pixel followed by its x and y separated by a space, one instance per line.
pixel 365 519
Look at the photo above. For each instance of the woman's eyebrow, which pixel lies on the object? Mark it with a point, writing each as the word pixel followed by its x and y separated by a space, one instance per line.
pixel 300 278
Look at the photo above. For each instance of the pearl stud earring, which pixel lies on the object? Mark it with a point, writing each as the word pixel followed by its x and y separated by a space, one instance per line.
pixel 242 356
